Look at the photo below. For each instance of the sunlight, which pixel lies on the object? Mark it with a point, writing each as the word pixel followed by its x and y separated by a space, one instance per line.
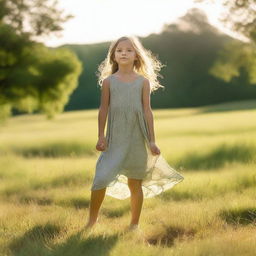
pixel 101 20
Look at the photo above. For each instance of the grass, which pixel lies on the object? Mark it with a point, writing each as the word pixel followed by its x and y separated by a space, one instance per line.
pixel 46 170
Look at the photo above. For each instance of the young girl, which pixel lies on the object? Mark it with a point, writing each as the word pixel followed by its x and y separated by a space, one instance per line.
pixel 130 164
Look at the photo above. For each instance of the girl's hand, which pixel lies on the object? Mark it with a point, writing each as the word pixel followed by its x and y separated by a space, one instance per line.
pixel 101 144
pixel 154 149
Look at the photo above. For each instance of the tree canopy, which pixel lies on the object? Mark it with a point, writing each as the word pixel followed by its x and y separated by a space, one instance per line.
pixel 235 57
pixel 32 76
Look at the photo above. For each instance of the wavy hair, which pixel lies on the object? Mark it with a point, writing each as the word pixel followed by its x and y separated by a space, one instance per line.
pixel 146 64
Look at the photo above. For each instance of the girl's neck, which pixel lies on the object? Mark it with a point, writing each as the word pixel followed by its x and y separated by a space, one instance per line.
pixel 125 71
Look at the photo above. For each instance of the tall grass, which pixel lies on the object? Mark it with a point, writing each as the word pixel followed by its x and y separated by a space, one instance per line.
pixel 46 170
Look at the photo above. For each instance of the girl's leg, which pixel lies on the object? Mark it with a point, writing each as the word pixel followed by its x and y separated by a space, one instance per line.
pixel 97 197
pixel 136 199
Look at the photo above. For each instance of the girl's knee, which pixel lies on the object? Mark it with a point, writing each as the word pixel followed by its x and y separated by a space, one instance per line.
pixel 134 184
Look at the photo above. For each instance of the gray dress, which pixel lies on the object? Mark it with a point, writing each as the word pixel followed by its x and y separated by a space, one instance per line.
pixel 128 153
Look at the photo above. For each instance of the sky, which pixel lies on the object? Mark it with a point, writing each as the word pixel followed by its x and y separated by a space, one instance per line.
pixel 105 20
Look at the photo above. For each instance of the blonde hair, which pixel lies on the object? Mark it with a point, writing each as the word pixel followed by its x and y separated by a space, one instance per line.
pixel 146 64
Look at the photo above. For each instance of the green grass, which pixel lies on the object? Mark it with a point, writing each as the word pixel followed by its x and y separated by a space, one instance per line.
pixel 46 170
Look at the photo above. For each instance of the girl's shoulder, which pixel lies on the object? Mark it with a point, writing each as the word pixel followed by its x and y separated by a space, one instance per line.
pixel 143 77
pixel 106 80
pixel 106 83
pixel 144 80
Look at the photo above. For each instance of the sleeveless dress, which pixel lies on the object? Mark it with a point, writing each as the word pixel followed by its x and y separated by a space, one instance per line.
pixel 128 154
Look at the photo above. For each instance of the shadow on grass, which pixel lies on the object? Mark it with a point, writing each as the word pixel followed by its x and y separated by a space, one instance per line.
pixel 117 212
pixel 170 234
pixel 39 241
pixel 100 245
pixel 35 200
pixel 77 203
pixel 210 190
pixel 230 106
pixel 34 239
pixel 198 110
pixel 67 181
pixel 78 179
pixel 181 196
pixel 56 149
pixel 218 157
pixel 243 216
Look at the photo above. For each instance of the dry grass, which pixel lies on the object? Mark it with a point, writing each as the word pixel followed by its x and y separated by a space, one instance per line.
pixel 47 169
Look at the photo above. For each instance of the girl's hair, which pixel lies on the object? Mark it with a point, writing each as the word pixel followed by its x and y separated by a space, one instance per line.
pixel 147 64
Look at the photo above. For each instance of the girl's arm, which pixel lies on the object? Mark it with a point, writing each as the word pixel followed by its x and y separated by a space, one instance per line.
pixel 103 109
pixel 147 109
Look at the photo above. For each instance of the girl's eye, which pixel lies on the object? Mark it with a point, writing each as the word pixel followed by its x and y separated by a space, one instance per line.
pixel 120 50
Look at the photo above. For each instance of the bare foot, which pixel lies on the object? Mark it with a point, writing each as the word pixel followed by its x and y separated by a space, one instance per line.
pixel 90 224
pixel 132 227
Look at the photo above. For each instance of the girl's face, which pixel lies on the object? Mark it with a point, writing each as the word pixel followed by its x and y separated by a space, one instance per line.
pixel 125 53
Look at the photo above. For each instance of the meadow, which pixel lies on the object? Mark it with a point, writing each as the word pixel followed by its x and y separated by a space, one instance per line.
pixel 47 166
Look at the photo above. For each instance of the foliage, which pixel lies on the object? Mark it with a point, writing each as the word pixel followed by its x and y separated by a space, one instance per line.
pixel 36 17
pixel 32 76
pixel 239 16
pixel 234 58
pixel 189 49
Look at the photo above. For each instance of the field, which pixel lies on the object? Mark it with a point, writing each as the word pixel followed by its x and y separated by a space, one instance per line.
pixel 47 166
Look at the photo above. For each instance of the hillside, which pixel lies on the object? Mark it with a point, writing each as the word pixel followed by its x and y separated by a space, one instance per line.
pixel 188 55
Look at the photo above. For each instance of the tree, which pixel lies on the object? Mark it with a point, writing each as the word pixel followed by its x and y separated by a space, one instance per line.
pixel 240 16
pixel 234 58
pixel 32 76
pixel 34 17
